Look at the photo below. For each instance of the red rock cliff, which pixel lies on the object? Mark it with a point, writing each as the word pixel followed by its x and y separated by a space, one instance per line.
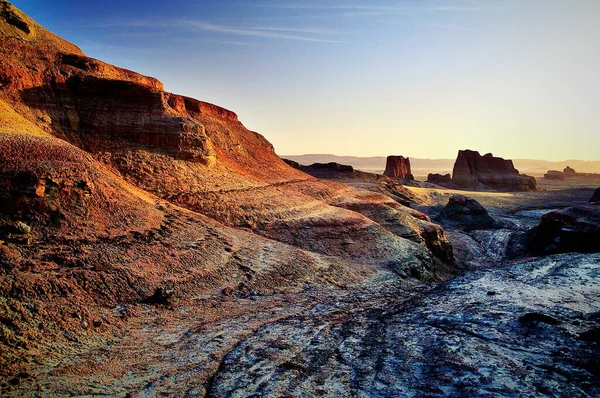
pixel 103 109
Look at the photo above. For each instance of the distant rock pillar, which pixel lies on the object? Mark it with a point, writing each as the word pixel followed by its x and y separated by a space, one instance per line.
pixel 398 167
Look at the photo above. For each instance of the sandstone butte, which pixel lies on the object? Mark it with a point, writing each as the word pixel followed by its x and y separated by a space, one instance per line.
pixel 471 171
pixel 398 167
pixel 114 191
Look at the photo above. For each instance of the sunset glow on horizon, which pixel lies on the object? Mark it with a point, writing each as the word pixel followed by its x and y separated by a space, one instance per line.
pixel 415 78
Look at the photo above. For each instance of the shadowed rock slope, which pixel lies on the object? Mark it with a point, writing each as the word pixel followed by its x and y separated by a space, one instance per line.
pixel 114 192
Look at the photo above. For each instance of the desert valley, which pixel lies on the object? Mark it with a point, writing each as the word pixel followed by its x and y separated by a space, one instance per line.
pixel 152 245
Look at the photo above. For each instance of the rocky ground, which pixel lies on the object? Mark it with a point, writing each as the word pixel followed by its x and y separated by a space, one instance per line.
pixel 528 327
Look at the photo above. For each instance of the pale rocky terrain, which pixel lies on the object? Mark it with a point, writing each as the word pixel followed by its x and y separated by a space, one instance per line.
pixel 151 245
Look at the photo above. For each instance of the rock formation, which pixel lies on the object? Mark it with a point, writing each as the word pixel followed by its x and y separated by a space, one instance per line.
pixel 569 173
pixel 471 170
pixel 596 196
pixel 555 175
pixel 152 245
pixel 439 178
pixel 572 229
pixel 114 192
pixel 466 213
pixel 124 126
pixel 398 167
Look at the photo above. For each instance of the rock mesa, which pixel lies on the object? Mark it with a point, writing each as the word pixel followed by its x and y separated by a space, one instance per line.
pixel 398 167
pixel 436 178
pixel 471 170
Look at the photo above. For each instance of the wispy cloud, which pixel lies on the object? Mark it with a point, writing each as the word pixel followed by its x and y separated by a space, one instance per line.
pixel 304 6
pixel 457 28
pixel 135 34
pixel 238 43
pixel 361 9
pixel 269 32
pixel 296 30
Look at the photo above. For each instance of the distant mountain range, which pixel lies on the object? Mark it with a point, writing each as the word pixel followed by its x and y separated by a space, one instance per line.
pixel 421 167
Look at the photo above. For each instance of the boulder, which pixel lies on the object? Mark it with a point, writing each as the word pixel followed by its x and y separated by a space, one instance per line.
pixel 595 197
pixel 569 170
pixel 439 178
pixel 471 170
pixel 398 167
pixel 467 214
pixel 572 229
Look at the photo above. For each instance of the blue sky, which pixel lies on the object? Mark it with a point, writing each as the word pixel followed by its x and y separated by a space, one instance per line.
pixel 415 78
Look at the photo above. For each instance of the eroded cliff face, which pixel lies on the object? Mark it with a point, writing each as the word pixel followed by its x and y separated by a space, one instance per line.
pixel 102 108
pixel 188 152
pixel 471 170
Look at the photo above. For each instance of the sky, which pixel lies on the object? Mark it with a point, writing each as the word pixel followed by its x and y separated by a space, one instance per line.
pixel 518 78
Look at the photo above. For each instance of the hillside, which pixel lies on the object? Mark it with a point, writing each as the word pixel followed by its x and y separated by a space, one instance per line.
pixel 115 193
pixel 152 245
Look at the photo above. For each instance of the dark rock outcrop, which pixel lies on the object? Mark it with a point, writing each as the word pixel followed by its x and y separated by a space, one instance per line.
pixel 572 229
pixel 439 178
pixel 569 170
pixel 398 167
pixel 532 318
pixel 596 196
pixel 554 175
pixel 467 214
pixel 570 173
pixel 333 166
pixel 292 163
pixel 471 170
pixel 331 171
